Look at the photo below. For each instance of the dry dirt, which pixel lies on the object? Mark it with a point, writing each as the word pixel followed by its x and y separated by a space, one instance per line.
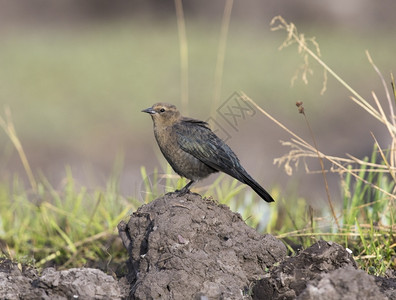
pixel 188 247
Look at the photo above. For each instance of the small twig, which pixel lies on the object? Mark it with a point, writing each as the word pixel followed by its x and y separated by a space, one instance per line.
pixel 384 118
pixel 370 164
pixel 360 178
pixel 302 111
pixel 393 87
pixel 393 117
pixel 363 257
pixel 391 172
pixel 179 205
pixel 385 87
pixel 287 234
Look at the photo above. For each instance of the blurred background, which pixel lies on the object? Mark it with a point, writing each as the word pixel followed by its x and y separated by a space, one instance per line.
pixel 76 75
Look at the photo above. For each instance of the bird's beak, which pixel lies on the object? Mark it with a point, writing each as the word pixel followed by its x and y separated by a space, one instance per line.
pixel 149 110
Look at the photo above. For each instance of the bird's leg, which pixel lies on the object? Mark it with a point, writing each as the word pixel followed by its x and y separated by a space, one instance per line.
pixel 186 188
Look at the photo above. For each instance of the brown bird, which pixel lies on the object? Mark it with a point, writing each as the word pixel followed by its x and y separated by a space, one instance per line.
pixel 194 151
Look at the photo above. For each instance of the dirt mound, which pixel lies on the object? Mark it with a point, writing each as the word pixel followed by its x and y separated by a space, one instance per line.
pixel 17 282
pixel 188 247
pixel 192 248
pixel 295 272
pixel 347 283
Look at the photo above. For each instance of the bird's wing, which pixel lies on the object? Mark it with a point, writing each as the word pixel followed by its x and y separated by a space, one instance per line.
pixel 197 139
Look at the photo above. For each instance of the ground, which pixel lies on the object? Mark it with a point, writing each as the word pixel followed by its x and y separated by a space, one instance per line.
pixel 189 247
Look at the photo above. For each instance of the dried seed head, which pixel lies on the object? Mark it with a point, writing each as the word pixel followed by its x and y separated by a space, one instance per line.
pixel 300 107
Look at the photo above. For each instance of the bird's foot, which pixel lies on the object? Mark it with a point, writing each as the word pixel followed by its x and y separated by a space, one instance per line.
pixel 183 191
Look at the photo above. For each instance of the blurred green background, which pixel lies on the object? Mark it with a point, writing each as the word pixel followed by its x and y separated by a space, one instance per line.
pixel 76 75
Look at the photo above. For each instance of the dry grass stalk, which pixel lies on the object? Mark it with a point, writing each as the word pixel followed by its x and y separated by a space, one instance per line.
pixel 8 127
pixel 300 149
pixel 225 24
pixel 181 26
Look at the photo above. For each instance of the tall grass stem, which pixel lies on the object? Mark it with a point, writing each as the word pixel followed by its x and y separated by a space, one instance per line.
pixel 225 24
pixel 9 129
pixel 181 26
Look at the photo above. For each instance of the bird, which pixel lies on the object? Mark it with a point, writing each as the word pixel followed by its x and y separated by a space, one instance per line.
pixel 194 151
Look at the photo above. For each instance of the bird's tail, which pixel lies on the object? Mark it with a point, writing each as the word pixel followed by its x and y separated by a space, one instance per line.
pixel 245 178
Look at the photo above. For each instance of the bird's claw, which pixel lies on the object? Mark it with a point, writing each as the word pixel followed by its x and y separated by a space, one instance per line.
pixel 182 192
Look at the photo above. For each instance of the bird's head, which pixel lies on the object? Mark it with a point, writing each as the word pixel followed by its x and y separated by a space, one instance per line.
pixel 163 114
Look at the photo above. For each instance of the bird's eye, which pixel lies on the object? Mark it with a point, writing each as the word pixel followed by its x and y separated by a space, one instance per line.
pixel 162 109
